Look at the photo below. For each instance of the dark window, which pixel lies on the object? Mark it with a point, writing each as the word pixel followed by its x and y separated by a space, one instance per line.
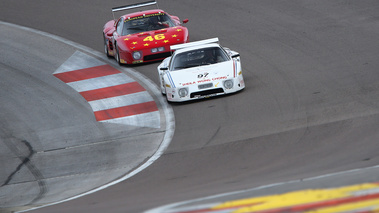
pixel 198 57
pixel 145 23
pixel 119 26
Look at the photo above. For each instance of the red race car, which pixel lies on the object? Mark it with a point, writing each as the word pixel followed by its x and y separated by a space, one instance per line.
pixel 143 36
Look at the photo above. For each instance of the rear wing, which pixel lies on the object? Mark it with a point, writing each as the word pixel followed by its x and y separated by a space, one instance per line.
pixel 195 43
pixel 132 6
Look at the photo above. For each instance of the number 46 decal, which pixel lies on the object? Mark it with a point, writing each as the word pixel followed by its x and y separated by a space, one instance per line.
pixel 156 37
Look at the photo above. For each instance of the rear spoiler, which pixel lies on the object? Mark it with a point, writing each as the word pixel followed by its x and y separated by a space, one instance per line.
pixel 195 43
pixel 132 6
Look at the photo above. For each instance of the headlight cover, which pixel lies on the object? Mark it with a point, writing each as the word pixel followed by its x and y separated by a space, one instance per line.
pixel 137 55
pixel 228 84
pixel 159 49
pixel 183 92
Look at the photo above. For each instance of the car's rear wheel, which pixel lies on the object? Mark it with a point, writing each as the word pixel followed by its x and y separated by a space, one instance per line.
pixel 106 46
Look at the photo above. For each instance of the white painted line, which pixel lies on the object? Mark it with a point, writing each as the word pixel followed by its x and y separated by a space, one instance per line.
pixel 119 101
pixel 79 61
pixel 150 119
pixel 100 82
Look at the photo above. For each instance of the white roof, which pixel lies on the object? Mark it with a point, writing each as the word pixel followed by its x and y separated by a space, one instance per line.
pixel 194 44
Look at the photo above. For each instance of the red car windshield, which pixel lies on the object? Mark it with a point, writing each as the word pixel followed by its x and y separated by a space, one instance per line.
pixel 145 23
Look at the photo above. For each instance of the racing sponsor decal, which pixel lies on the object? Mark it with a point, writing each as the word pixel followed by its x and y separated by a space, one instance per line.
pixel 189 83
pixel 204 80
pixel 219 78
pixel 143 16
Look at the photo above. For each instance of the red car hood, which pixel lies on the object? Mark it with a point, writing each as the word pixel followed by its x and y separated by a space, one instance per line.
pixel 156 38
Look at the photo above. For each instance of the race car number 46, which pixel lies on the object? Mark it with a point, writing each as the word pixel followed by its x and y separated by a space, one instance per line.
pixel 156 37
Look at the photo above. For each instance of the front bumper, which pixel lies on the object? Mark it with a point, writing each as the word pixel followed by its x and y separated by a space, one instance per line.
pixel 194 92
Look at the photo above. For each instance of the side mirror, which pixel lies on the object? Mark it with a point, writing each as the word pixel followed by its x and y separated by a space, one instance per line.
pixel 110 33
pixel 185 20
pixel 164 68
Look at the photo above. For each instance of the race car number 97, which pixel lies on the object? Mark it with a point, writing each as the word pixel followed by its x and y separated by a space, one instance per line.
pixel 156 37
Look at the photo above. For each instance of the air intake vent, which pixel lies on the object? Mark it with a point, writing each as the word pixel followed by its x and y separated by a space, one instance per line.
pixel 156 56
pixel 207 93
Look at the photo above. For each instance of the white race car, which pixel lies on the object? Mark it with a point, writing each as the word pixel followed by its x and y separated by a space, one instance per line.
pixel 200 69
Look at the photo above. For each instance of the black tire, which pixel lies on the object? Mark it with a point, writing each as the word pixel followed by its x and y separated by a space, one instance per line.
pixel 106 46
pixel 117 56
pixel 163 93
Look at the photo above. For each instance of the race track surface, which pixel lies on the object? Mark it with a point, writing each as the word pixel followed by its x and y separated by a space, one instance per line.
pixel 310 106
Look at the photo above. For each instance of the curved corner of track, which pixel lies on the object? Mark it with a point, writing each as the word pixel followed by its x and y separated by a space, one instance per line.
pixel 91 123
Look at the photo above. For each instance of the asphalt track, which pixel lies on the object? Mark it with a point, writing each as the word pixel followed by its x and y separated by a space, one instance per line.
pixel 310 107
pixel 72 118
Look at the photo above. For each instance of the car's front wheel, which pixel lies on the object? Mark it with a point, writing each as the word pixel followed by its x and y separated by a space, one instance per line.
pixel 117 56
pixel 106 46
pixel 163 88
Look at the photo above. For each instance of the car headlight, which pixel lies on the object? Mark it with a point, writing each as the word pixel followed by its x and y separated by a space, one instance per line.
pixel 159 49
pixel 137 55
pixel 183 92
pixel 228 84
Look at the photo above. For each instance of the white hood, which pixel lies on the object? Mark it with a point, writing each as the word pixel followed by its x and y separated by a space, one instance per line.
pixel 202 74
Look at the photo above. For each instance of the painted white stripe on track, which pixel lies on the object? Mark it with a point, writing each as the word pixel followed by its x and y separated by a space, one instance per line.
pixel 150 119
pixel 101 82
pixel 78 61
pixel 119 101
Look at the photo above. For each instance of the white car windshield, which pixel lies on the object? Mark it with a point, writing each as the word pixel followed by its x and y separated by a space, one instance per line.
pixel 198 57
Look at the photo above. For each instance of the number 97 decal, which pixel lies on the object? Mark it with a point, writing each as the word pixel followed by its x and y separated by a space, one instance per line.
pixel 156 37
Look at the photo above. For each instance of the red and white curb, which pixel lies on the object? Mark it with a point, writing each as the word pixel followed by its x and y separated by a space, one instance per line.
pixel 113 96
